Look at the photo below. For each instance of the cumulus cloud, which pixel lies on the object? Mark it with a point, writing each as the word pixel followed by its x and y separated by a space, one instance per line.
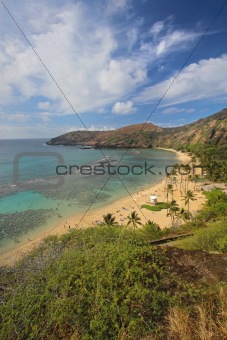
pixel 82 53
pixel 123 108
pixel 80 62
pixel 121 76
pixel 201 80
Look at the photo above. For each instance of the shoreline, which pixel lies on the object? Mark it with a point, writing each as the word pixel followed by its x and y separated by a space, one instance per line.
pixel 120 208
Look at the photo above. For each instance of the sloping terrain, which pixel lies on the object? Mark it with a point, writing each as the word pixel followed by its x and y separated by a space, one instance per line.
pixel 196 266
pixel 212 128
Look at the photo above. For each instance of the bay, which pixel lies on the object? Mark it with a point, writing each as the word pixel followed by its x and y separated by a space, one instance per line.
pixel 31 186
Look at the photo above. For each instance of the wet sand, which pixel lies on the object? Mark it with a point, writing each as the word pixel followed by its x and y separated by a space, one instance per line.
pixel 120 209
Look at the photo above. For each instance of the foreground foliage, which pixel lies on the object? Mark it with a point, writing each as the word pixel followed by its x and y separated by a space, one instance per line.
pixel 99 283
pixel 209 226
pixel 107 282
pixel 205 320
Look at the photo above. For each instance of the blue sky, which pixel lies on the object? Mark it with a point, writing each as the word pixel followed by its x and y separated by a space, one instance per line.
pixel 113 60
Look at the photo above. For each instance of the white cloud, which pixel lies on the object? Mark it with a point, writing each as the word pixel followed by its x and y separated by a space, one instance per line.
pixel 44 116
pixel 116 6
pixel 174 39
pixel 157 28
pixel 96 56
pixel 172 110
pixel 79 61
pixel 44 130
pixel 132 35
pixel 205 79
pixel 29 131
pixel 15 117
pixel 18 117
pixel 122 76
pixel 82 53
pixel 44 105
pixel 166 39
pixel 123 108
pixel 91 128
pixel 165 125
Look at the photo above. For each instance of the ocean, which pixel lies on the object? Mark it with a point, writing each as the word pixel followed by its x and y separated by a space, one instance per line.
pixel 41 184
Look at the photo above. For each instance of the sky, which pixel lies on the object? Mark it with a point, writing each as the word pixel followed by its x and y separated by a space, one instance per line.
pixel 68 65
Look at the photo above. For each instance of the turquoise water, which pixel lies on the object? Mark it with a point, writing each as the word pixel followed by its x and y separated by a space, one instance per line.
pixel 31 196
pixel 25 200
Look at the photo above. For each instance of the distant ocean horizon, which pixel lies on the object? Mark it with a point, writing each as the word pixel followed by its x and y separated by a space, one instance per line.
pixel 33 197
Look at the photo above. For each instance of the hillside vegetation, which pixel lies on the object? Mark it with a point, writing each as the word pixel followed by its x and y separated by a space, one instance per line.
pixel 211 129
pixel 206 139
pixel 108 282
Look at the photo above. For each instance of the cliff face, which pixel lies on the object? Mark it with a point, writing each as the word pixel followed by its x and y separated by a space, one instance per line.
pixel 212 128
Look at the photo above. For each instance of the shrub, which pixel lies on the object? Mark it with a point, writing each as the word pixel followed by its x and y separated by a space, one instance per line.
pixel 152 230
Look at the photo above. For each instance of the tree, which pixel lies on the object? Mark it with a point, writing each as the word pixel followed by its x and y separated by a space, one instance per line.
pixel 215 196
pixel 152 229
pixel 173 211
pixel 169 190
pixel 189 196
pixel 109 219
pixel 134 219
pixel 195 179
pixel 184 215
pixel 193 160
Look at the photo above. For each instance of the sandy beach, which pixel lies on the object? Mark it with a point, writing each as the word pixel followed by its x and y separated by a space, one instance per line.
pixel 120 209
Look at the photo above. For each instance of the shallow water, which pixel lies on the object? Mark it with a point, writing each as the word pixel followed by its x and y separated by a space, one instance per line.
pixel 31 197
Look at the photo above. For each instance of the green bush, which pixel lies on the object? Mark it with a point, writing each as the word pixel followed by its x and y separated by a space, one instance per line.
pixel 104 283
pixel 151 207
pixel 152 230
pixel 213 238
pixel 157 207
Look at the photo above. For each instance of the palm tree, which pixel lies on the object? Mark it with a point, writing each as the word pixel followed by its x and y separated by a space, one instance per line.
pixel 193 160
pixel 189 196
pixel 134 219
pixel 109 219
pixel 175 181
pixel 173 172
pixel 152 229
pixel 173 211
pixel 169 190
pixel 153 224
pixel 185 170
pixel 184 215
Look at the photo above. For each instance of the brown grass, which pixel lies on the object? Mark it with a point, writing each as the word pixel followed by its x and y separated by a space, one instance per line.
pixel 206 321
